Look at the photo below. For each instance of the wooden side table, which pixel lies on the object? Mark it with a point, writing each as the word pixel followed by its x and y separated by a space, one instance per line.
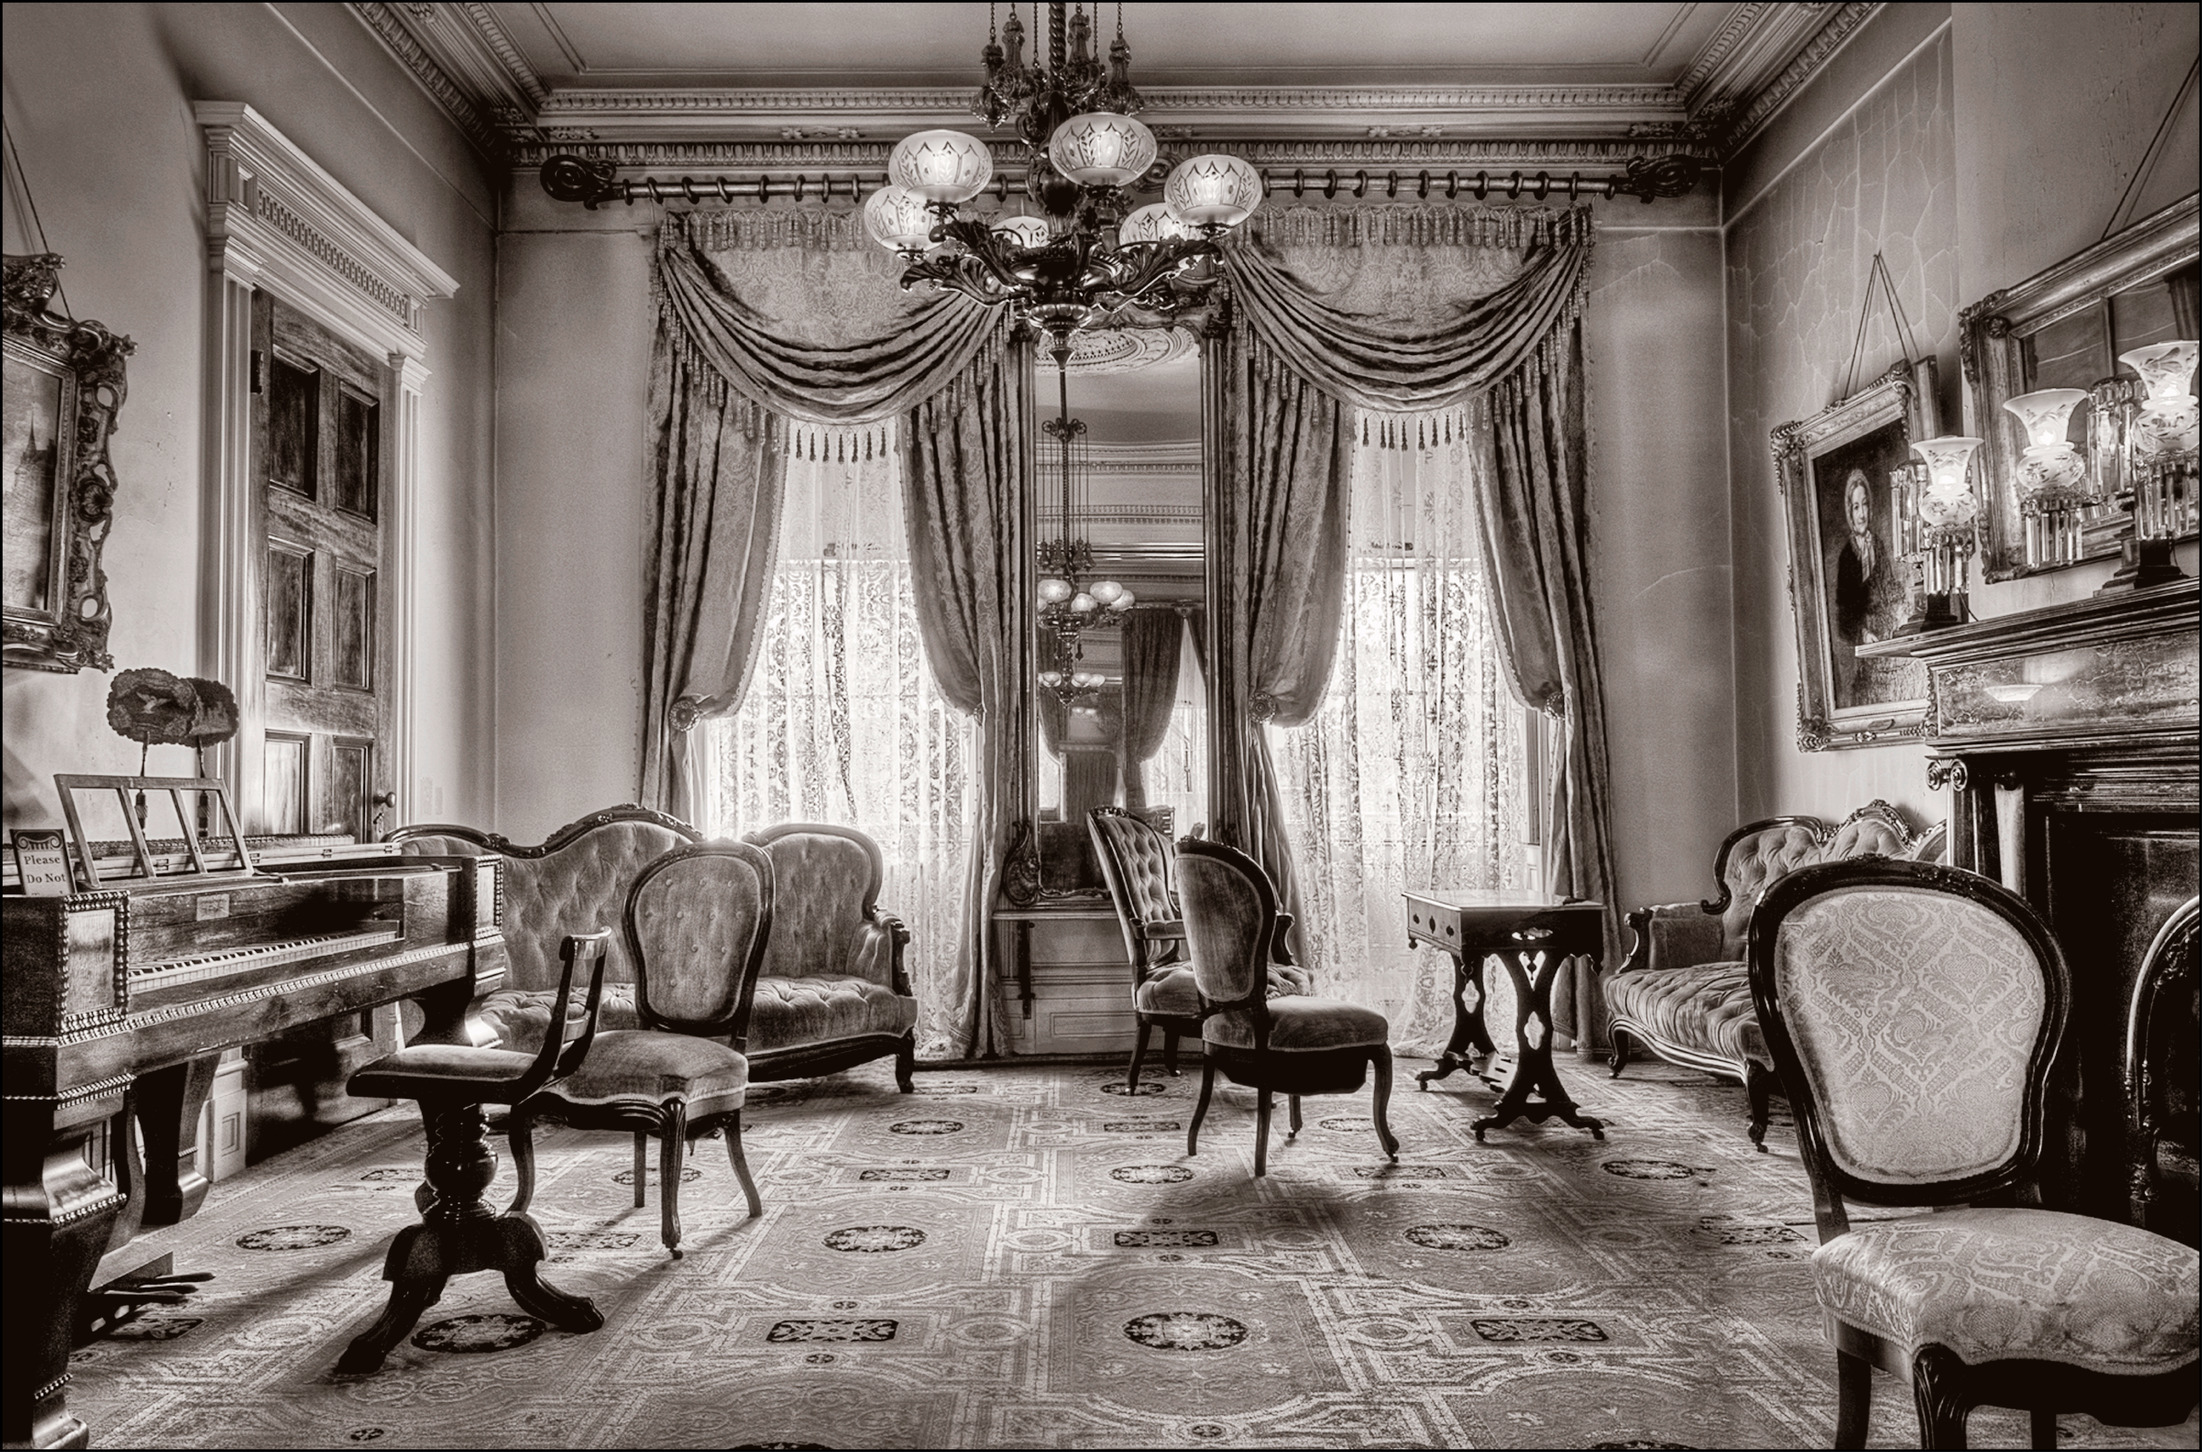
pixel 1531 936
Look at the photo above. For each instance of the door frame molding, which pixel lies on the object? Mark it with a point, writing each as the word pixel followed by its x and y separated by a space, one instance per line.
pixel 276 220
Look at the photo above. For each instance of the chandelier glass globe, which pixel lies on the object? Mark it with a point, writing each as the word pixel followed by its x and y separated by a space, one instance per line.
pixel 1054 591
pixel 1102 149
pixel 1213 190
pixel 896 219
pixel 1024 231
pixel 941 166
pixel 1153 223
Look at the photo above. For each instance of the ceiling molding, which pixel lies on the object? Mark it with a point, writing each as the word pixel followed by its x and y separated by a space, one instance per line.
pixel 1762 55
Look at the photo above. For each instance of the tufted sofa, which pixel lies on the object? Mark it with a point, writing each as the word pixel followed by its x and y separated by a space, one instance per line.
pixel 577 881
pixel 832 992
pixel 1684 992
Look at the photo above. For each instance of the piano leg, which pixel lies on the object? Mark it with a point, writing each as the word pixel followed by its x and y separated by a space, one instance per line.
pixel 60 1212
pixel 169 1102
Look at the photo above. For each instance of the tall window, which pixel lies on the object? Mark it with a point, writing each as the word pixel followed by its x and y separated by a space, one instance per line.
pixel 1412 774
pixel 842 722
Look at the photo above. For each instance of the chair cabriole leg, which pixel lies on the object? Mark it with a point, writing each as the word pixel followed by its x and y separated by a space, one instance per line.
pixel 1758 1082
pixel 1200 1110
pixel 1937 1388
pixel 906 1063
pixel 1853 1398
pixel 672 1142
pixel 1293 1104
pixel 741 1165
pixel 1169 1051
pixel 1261 1132
pixel 1620 1054
pixel 1380 1101
pixel 1139 1053
pixel 642 1167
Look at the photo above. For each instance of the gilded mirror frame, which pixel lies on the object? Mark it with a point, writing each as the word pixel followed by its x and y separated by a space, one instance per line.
pixel 1993 338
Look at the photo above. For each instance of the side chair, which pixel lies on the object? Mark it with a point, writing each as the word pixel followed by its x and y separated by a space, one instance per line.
pixel 1139 865
pixel 1286 1045
pixel 697 922
pixel 1914 1013
pixel 458 1234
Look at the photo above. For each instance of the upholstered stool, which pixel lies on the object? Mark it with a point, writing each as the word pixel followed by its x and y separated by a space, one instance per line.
pixel 697 921
pixel 458 1233
pixel 1287 1045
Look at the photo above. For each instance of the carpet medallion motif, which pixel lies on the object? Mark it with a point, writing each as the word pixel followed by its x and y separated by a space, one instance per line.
pixel 1045 1266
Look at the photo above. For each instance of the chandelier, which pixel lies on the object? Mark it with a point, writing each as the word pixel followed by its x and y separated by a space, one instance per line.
pixel 1091 253
pixel 1069 605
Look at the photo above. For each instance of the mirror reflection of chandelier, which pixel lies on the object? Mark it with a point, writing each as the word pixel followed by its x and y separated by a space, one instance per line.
pixel 1071 602
pixel 1091 254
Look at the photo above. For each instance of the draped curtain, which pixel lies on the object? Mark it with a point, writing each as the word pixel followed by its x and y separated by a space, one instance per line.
pixel 1410 775
pixel 1410 309
pixel 843 722
pixel 1151 640
pixel 798 316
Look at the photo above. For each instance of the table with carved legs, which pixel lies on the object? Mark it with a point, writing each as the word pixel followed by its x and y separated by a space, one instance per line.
pixel 1531 937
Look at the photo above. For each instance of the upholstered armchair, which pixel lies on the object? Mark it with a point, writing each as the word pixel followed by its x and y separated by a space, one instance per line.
pixel 576 881
pixel 832 993
pixel 1140 867
pixel 1290 1045
pixel 1914 1013
pixel 1684 993
pixel 696 927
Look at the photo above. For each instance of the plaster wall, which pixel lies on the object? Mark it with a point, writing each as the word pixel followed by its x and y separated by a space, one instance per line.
pixel 98 103
pixel 1972 147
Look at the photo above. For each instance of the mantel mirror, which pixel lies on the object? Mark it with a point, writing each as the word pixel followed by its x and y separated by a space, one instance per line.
pixel 2068 328
pixel 1120 708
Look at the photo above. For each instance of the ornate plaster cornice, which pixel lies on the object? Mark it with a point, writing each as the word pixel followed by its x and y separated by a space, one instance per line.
pixel 1753 110
pixel 466 63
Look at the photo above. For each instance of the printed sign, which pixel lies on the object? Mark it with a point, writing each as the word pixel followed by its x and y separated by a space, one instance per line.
pixel 41 862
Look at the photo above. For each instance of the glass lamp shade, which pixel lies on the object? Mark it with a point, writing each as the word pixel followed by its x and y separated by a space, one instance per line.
pixel 1949 463
pixel 1102 149
pixel 896 218
pixel 1107 591
pixel 1053 680
pixel 1213 190
pixel 2047 415
pixel 1125 599
pixel 2168 421
pixel 1054 591
pixel 941 166
pixel 1024 231
pixel 1082 604
pixel 1153 223
pixel 1088 680
pixel 2050 465
pixel 1942 509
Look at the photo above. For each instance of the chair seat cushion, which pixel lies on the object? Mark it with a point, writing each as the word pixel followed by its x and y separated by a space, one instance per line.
pixel 646 1067
pixel 790 1012
pixel 2037 1285
pixel 445 1070
pixel 1302 1025
pixel 1705 1008
pixel 1173 992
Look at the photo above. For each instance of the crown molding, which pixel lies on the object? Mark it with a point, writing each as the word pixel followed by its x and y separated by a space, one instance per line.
pixel 462 58
pixel 274 216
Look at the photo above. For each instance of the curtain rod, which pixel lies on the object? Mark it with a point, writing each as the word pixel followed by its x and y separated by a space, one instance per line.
pixel 570 178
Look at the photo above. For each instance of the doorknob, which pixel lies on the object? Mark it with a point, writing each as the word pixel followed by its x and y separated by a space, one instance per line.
pixel 386 799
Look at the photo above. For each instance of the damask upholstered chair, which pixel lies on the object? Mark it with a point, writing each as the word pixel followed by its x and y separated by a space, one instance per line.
pixel 833 993
pixel 458 1234
pixel 1683 992
pixel 696 926
pixel 576 881
pixel 1284 1045
pixel 1140 867
pixel 1915 1013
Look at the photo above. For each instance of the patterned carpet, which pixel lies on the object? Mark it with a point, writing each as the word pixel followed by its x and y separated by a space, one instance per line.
pixel 1025 1257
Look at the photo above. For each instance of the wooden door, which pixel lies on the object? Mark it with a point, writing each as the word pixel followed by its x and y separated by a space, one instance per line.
pixel 319 406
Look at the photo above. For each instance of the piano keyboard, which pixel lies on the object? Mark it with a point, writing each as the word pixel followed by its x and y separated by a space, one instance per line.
pixel 260 955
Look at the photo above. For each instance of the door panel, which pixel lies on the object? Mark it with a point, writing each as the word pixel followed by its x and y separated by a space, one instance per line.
pixel 318 459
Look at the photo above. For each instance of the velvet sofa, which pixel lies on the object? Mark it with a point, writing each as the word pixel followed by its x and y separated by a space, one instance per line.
pixel 832 992
pixel 1684 993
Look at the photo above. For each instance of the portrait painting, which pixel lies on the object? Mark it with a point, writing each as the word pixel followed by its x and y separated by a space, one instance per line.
pixel 1851 585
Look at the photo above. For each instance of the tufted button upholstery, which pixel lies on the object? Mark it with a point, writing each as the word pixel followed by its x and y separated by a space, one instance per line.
pixel 576 882
pixel 824 890
pixel 818 1008
pixel 1706 1009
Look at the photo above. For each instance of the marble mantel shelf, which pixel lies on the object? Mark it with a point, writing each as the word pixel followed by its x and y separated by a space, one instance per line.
pixel 2107 670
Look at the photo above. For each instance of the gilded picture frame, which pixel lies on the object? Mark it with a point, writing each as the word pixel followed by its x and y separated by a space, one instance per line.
pixel 65 383
pixel 1848 585
pixel 2064 327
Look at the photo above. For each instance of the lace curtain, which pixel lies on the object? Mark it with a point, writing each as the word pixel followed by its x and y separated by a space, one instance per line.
pixel 843 721
pixel 1411 773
